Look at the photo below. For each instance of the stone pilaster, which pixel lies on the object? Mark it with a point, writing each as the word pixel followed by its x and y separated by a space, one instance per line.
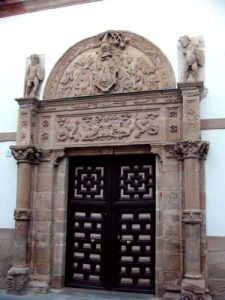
pixel 193 284
pixel 18 275
pixel 191 95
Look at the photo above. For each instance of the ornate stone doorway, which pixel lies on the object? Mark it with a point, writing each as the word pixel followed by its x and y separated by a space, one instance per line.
pixel 112 94
pixel 111 223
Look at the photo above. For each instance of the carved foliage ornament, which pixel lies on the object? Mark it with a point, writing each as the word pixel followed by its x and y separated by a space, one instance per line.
pixel 22 214
pixel 112 62
pixel 17 280
pixel 107 127
pixel 26 153
pixel 191 149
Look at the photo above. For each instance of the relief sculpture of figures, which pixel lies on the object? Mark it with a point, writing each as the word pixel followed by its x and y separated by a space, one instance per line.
pixel 191 58
pixel 34 76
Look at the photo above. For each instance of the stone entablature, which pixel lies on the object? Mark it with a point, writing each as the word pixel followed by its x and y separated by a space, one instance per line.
pixel 134 118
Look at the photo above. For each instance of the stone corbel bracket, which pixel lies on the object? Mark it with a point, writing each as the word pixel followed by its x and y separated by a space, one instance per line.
pixel 58 155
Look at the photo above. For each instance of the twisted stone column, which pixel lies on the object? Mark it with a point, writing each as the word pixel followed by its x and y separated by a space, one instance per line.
pixel 18 274
pixel 191 152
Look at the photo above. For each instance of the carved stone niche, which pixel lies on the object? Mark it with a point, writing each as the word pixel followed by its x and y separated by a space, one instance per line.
pixel 113 61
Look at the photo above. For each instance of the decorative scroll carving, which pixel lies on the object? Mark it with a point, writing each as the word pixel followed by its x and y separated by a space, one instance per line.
pixel 22 214
pixel 107 127
pixel 114 61
pixel 17 280
pixel 191 149
pixel 193 216
pixel 26 153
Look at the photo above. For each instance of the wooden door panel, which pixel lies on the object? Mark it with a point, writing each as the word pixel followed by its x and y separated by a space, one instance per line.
pixel 111 223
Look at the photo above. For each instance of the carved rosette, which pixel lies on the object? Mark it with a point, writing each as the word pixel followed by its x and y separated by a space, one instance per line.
pixel 191 149
pixel 192 216
pixel 29 154
pixel 22 214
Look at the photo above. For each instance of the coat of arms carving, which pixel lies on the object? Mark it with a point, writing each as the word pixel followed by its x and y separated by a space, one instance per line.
pixel 112 62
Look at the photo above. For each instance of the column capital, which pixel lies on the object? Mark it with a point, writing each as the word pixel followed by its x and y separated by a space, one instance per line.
pixel 27 154
pixel 191 149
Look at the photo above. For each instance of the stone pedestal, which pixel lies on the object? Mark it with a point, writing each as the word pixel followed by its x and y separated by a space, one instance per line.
pixel 17 278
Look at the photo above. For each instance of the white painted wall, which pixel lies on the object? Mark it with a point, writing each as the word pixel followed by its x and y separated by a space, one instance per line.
pixel 52 32
pixel 8 172
pixel 215 182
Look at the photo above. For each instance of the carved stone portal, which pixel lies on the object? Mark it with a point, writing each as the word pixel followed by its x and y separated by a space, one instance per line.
pixel 111 94
pixel 114 61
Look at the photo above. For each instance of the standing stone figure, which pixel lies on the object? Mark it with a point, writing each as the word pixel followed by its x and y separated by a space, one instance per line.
pixel 192 59
pixel 34 75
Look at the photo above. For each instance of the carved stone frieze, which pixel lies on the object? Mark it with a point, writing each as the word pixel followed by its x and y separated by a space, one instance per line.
pixel 108 127
pixel 193 216
pixel 191 149
pixel 21 214
pixel 112 62
pixel 26 153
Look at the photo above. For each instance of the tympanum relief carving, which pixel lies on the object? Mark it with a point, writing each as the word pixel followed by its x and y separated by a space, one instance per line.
pixel 114 61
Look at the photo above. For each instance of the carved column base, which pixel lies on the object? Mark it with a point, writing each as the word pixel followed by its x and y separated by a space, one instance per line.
pixel 194 289
pixel 172 293
pixel 38 287
pixel 17 280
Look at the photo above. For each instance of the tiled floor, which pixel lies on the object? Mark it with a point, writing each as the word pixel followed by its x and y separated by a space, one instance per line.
pixel 79 294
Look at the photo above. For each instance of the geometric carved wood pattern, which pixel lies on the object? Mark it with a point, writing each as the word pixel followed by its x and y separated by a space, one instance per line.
pixel 89 183
pixel 136 182
pixel 111 223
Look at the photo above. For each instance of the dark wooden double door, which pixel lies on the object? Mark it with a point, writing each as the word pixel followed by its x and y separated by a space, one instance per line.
pixel 111 223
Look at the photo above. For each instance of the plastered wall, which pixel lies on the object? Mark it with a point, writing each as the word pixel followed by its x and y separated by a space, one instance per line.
pixel 52 32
